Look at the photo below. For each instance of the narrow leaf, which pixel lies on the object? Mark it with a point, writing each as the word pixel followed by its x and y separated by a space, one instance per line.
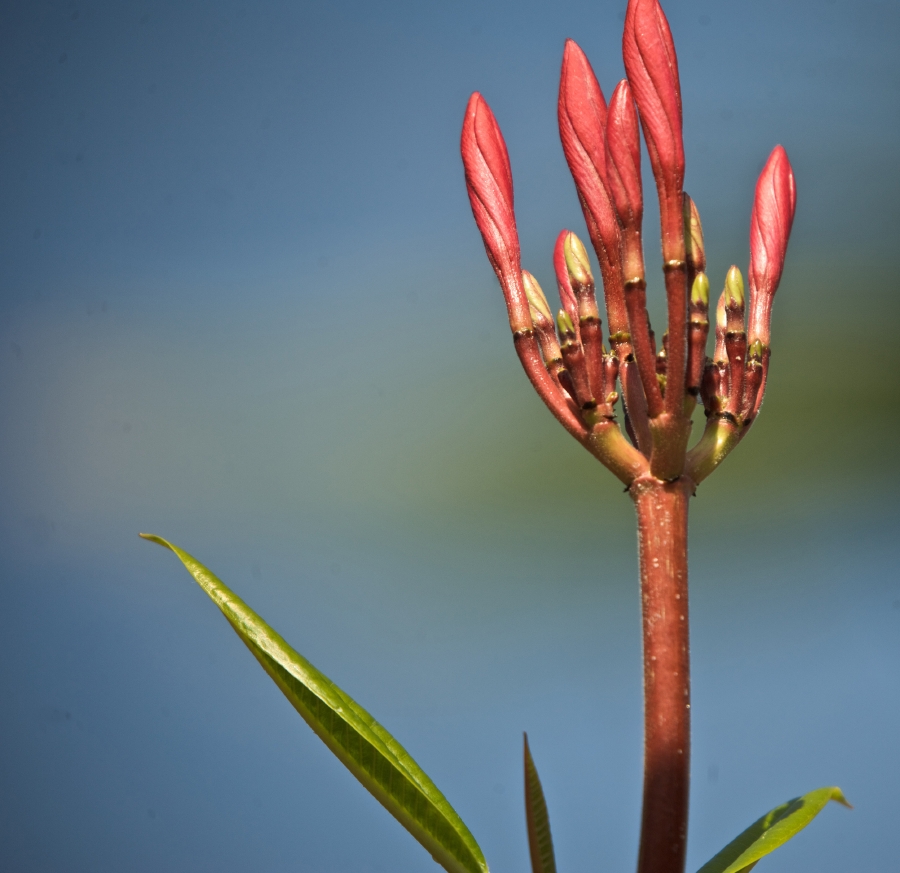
pixel 362 745
pixel 540 842
pixel 771 831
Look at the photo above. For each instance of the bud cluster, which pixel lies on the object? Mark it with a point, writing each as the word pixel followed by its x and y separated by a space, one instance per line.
pixel 576 375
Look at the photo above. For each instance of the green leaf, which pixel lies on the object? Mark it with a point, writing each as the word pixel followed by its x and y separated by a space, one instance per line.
pixel 540 842
pixel 769 832
pixel 362 745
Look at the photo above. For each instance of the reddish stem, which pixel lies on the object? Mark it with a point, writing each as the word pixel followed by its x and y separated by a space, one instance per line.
pixel 662 512
pixel 547 387
pixel 592 342
pixel 642 343
pixel 676 352
pixel 636 405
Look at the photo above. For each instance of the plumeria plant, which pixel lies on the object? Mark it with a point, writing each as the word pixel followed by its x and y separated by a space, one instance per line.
pixel 582 381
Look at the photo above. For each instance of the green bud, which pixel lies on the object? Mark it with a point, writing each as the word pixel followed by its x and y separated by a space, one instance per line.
pixel 755 352
pixel 577 262
pixel 693 236
pixel 535 295
pixel 734 288
pixel 700 290
pixel 566 327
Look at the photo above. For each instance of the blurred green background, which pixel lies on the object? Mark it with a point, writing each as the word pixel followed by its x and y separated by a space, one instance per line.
pixel 243 305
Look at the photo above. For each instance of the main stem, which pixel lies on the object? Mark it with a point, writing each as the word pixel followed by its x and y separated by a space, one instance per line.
pixel 662 513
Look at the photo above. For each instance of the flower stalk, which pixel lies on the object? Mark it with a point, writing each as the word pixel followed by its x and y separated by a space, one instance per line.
pixel 662 516
pixel 581 382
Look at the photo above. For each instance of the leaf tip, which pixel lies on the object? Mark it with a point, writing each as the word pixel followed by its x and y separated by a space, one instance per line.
pixel 838 795
pixel 153 538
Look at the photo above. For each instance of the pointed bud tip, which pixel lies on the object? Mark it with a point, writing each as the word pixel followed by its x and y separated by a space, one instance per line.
pixel 474 100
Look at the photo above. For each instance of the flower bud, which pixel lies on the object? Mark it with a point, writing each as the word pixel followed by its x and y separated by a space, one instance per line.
pixel 693 237
pixel 698 331
pixel 489 183
pixel 770 228
pixel 735 340
pixel 582 124
pixel 537 302
pixel 545 331
pixel 734 288
pixel 577 263
pixel 563 279
pixel 700 291
pixel 652 70
pixel 566 326
pixel 623 151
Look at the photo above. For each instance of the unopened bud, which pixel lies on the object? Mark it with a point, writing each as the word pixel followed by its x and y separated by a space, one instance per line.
pixel 582 124
pixel 563 279
pixel 489 183
pixel 544 327
pixel 770 228
pixel 698 331
pixel 536 299
pixel 699 290
pixel 623 152
pixel 577 262
pixel 652 70
pixel 566 325
pixel 693 236
pixel 755 352
pixel 734 288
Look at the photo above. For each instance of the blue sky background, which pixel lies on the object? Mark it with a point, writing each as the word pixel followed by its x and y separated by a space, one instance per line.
pixel 243 305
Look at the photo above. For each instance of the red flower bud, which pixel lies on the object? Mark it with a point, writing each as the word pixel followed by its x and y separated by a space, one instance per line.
pixel 563 281
pixel 770 228
pixel 623 151
pixel 582 129
pixel 490 187
pixel 652 69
